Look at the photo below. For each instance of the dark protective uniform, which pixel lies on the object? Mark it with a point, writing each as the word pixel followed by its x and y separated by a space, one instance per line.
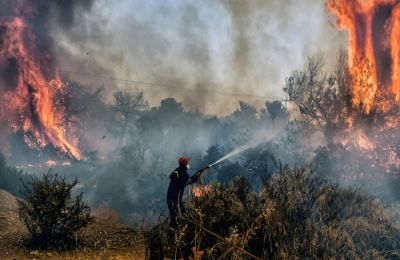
pixel 179 178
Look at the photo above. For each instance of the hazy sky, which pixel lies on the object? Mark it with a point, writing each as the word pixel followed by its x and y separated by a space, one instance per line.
pixel 235 46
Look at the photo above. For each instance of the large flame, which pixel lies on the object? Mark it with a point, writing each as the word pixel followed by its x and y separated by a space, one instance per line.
pixel 374 49
pixel 374 65
pixel 33 98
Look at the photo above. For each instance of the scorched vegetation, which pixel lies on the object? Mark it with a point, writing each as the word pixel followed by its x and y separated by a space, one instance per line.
pixel 295 215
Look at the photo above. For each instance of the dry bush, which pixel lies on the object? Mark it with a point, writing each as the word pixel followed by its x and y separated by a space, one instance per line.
pixel 294 216
pixel 49 211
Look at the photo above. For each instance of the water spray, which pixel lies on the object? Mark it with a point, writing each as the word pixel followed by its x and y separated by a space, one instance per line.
pixel 256 142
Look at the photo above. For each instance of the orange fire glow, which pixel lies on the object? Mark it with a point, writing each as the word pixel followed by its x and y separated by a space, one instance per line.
pixel 199 191
pixel 373 28
pixel 363 142
pixel 33 98
pixel 374 49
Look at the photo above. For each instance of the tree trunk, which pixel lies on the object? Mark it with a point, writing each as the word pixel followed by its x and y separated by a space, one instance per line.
pixel 123 131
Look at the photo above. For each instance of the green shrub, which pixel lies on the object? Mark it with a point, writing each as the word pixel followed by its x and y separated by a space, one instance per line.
pixel 49 211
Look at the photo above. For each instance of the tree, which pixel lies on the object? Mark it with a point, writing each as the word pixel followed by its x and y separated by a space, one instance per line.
pixel 275 110
pixel 170 106
pixel 213 153
pixel 125 105
pixel 322 98
pixel 243 122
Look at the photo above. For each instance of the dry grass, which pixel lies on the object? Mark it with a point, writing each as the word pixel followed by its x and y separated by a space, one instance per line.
pixel 295 216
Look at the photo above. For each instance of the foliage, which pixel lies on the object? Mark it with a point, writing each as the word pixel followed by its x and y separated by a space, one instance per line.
pixel 274 110
pixel 49 211
pixel 294 216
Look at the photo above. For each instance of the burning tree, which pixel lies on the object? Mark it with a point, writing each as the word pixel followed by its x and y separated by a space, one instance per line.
pixel 356 106
pixel 322 98
pixel 32 85
pixel 373 62
pixel 365 22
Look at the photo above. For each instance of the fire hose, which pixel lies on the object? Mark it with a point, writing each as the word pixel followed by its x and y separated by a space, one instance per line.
pixel 197 175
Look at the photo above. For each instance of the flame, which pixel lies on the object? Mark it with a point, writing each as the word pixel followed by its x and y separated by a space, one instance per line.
pixel 44 165
pixel 39 117
pixel 364 142
pixel 357 138
pixel 51 163
pixel 374 49
pixel 373 28
pixel 200 191
pixel 394 28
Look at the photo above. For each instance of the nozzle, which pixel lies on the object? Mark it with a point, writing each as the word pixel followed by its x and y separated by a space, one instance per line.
pixel 205 168
pixel 202 170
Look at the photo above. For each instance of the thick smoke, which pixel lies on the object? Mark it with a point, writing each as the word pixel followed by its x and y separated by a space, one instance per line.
pixel 215 46
pixel 45 16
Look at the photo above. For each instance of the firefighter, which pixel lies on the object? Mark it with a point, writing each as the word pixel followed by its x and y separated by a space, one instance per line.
pixel 179 179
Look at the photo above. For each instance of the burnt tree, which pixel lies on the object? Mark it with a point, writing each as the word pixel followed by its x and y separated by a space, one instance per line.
pixel 322 98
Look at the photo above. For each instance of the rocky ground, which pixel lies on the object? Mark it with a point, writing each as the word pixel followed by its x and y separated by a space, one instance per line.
pixel 100 240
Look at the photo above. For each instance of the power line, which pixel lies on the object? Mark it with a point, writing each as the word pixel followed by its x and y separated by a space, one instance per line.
pixel 156 85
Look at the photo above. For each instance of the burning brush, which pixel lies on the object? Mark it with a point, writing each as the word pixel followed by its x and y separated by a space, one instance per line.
pixel 199 191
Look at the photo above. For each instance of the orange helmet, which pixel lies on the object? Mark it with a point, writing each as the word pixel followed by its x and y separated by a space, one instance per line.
pixel 183 161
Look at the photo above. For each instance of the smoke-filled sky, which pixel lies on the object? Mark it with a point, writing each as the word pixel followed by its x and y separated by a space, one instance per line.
pixel 224 46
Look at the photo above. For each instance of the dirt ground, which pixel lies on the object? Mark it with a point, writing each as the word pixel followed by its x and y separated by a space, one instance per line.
pixel 99 240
